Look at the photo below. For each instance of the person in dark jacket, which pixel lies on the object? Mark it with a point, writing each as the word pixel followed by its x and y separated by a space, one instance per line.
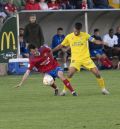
pixel 102 4
pixel 33 32
pixel 56 40
pixel 117 47
pixel 98 52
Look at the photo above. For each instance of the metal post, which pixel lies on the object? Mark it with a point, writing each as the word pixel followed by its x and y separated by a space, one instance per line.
pixel 18 42
pixel 86 22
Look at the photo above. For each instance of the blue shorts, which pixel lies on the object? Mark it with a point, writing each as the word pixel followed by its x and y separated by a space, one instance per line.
pixel 54 73
pixel 93 53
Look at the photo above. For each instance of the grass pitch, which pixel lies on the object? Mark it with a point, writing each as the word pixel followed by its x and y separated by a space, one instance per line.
pixel 33 106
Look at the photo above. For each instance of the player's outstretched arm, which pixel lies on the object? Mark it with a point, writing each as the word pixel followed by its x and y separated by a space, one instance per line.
pixel 24 78
pixel 57 48
pixel 100 42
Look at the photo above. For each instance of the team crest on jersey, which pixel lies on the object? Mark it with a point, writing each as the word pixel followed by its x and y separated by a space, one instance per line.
pixel 77 44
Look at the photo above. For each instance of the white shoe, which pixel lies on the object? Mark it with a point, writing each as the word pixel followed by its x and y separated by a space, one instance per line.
pixel 63 93
pixel 105 92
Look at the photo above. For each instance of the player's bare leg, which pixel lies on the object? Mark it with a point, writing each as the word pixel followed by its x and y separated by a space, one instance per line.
pixel 54 86
pixel 71 72
pixel 100 80
pixel 66 83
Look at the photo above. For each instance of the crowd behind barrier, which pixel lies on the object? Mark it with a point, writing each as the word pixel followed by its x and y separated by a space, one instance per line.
pixel 104 55
pixel 10 7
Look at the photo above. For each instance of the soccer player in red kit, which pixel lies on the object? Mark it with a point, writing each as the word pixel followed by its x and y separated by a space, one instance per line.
pixel 44 61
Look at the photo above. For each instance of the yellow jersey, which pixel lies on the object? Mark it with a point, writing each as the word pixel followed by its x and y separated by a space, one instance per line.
pixel 78 45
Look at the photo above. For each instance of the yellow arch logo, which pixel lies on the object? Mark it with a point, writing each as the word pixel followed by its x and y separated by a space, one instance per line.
pixel 8 37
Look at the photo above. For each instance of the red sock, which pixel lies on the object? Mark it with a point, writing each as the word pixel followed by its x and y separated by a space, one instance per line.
pixel 104 63
pixel 108 61
pixel 68 85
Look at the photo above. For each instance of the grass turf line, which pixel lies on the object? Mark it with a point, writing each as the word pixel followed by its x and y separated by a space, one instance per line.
pixel 33 106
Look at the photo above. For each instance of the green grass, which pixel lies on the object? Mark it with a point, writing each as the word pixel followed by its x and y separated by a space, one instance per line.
pixel 33 106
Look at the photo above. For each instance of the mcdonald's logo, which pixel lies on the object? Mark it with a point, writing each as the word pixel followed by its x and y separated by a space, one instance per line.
pixel 10 40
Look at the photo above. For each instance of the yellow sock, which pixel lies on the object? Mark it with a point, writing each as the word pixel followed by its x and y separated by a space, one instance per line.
pixel 101 83
pixel 65 88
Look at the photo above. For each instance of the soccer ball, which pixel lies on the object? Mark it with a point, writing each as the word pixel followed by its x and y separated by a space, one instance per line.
pixel 48 80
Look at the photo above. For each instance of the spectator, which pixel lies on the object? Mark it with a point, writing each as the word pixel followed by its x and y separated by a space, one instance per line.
pixel 1 7
pixel 118 35
pixel 62 4
pixel 117 47
pixel 20 4
pixel 32 5
pixel 23 46
pixel 66 4
pixel 56 40
pixel 43 5
pixel 33 32
pixel 97 51
pixel 2 15
pixel 114 3
pixel 78 4
pixel 90 4
pixel 10 8
pixel 53 5
pixel 102 4
pixel 84 4
pixel 111 39
pixel 2 19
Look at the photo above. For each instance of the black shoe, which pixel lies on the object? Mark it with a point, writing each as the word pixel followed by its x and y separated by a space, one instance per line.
pixel 65 69
pixel 56 92
pixel 74 94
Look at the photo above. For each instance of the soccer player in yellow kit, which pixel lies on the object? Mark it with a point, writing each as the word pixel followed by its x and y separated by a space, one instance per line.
pixel 80 56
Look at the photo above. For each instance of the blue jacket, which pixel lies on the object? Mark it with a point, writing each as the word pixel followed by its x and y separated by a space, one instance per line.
pixel 57 40
pixel 93 46
pixel 118 35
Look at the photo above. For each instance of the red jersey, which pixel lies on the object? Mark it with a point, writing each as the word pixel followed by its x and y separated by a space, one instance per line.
pixel 31 6
pixel 10 8
pixel 53 6
pixel 45 62
pixel 84 5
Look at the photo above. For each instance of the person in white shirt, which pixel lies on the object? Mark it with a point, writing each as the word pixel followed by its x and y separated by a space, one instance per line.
pixel 43 5
pixel 110 39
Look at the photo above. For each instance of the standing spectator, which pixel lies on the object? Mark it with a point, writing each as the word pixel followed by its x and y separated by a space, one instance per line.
pixel 23 45
pixel 33 32
pixel 117 47
pixel 56 40
pixel 84 4
pixel 90 4
pixel 102 4
pixel 111 39
pixel 43 5
pixel 97 51
pixel 10 8
pixel 32 5
pixel 53 5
